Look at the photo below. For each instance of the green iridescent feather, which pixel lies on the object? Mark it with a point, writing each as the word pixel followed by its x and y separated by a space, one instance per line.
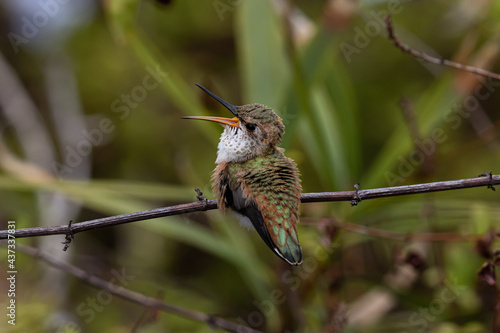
pixel 271 183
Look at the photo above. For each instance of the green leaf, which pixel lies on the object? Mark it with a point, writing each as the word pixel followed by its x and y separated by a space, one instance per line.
pixel 261 52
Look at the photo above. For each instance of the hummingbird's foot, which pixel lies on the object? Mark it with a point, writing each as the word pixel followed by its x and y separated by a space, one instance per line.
pixel 488 174
pixel 356 199
pixel 69 236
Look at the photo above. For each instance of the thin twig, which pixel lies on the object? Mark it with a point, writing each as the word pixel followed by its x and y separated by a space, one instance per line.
pixel 204 205
pixel 424 56
pixel 411 121
pixel 133 296
pixel 409 116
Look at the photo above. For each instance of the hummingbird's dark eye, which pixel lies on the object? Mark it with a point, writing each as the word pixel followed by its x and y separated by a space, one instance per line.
pixel 251 127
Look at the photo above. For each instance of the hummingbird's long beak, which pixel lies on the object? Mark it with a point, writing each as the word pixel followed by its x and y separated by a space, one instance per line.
pixel 230 107
pixel 234 122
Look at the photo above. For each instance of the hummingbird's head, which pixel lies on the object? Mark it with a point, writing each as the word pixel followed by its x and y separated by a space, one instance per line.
pixel 255 130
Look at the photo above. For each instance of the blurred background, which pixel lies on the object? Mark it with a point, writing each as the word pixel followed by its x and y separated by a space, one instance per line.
pixel 91 95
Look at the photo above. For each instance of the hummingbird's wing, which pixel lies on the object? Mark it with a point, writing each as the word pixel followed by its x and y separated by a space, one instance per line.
pixel 248 209
pixel 267 191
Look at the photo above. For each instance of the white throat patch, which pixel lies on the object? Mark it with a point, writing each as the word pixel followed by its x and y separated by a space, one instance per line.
pixel 234 146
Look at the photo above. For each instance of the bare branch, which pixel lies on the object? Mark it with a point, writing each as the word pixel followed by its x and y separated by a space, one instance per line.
pixel 424 56
pixel 133 296
pixel 487 180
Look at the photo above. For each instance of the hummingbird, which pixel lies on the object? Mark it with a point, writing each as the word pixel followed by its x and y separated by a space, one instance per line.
pixel 255 179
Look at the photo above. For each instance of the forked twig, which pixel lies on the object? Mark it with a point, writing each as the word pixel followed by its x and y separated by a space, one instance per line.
pixel 424 56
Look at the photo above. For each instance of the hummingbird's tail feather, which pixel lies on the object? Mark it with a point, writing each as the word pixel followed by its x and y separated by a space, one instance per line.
pixel 291 252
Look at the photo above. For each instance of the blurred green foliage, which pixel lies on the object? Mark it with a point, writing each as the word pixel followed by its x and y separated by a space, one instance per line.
pixel 328 71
